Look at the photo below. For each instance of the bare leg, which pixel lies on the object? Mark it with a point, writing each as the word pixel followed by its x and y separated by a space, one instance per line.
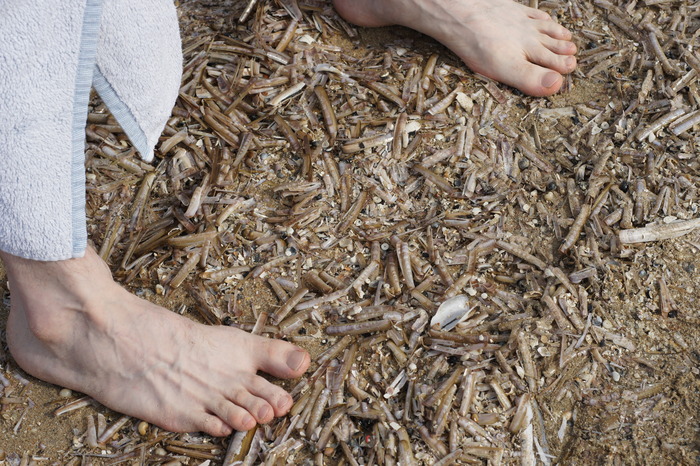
pixel 72 325
pixel 501 39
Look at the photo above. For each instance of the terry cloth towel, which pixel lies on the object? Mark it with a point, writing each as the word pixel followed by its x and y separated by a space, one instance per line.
pixel 51 54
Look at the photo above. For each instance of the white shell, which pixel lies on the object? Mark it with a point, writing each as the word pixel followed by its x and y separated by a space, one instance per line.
pixel 452 312
pixel 412 126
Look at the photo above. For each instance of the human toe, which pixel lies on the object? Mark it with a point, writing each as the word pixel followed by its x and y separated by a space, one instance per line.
pixel 256 406
pixel 570 63
pixel 231 414
pixel 544 57
pixel 264 413
pixel 282 359
pixel 279 399
pixel 560 47
pixel 214 426
pixel 550 80
pixel 534 13
pixel 554 30
pixel 537 81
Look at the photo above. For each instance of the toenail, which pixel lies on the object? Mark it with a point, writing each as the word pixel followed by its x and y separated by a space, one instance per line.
pixel 263 412
pixel 550 79
pixel 570 62
pixel 283 404
pixel 296 359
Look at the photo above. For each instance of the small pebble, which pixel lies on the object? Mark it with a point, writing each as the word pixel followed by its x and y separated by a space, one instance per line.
pixel 65 393
pixel 160 451
pixel 615 376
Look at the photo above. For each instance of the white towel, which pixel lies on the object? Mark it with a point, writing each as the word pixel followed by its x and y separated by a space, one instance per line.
pixel 50 56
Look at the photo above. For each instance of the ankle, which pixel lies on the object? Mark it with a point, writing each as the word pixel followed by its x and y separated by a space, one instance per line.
pixel 57 297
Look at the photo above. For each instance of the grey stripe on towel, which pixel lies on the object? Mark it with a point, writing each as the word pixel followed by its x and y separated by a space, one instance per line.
pixel 49 57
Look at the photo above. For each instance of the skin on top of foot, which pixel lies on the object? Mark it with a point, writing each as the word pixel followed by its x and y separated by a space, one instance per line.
pixel 502 39
pixel 83 331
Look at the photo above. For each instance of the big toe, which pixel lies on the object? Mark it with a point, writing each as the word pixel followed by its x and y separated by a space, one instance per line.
pixel 538 81
pixel 281 359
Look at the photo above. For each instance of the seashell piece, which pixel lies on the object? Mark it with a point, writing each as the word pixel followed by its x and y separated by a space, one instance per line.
pixel 452 312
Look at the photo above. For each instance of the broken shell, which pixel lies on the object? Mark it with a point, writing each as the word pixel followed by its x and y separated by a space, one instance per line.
pixel 452 312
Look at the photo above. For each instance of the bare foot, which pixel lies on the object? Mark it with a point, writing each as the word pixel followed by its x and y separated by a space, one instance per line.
pixel 504 40
pixel 72 325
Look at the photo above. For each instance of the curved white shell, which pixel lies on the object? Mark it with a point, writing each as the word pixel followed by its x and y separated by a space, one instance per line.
pixel 452 312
